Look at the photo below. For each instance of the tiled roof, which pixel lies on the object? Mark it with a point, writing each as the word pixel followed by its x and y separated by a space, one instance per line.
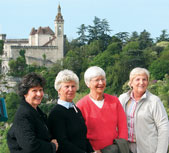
pixel 33 31
pixel 42 30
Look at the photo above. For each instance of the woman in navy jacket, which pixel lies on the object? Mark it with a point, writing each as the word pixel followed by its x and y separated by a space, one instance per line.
pixel 29 133
pixel 65 121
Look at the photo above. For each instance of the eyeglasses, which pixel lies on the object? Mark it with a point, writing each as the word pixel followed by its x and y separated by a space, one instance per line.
pixel 98 80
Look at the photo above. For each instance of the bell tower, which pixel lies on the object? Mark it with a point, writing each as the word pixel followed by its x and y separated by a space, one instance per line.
pixel 59 32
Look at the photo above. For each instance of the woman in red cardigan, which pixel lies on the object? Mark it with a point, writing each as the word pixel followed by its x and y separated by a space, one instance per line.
pixel 104 116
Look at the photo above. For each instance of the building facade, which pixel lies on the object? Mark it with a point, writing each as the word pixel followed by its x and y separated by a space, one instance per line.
pixel 42 42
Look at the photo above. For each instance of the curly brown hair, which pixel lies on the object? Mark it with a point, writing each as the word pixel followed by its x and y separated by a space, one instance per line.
pixel 29 81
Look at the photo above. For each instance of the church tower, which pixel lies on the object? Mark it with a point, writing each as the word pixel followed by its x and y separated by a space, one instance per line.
pixel 59 32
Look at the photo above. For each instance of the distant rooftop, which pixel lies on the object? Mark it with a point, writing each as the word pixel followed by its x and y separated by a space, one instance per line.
pixel 42 30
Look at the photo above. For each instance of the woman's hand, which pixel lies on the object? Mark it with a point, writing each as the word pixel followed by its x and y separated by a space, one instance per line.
pixel 56 143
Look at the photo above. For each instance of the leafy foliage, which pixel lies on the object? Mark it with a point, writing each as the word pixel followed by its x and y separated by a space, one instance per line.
pixel 82 36
pixel 159 66
pixel 164 36
pixel 145 40
pixel 50 75
pixel 17 67
pixel 12 102
pixel 1 46
pixel 161 88
pixel 3 140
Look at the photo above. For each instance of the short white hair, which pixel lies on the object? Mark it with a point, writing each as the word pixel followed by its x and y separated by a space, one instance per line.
pixel 93 72
pixel 66 76
pixel 138 71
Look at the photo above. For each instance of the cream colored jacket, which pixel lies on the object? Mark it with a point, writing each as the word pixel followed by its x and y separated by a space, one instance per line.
pixel 150 123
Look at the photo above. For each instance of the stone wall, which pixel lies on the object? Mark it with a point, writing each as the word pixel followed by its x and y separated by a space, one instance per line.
pixel 8 84
pixel 34 54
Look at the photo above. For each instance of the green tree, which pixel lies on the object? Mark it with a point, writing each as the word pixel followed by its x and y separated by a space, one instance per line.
pixel 82 34
pixel 164 36
pixel 134 36
pixel 104 34
pixel 17 67
pixel 73 61
pixel 163 44
pixel 107 58
pixel 159 68
pixel 145 40
pixel 157 49
pixel 99 31
pixel 1 46
pixel 0 65
pixel 103 60
pixel 116 76
pixel 132 45
pixel 94 31
pixel 150 55
pixel 161 89
pixel 132 55
pixel 22 53
pixel 44 59
pixel 123 36
pixel 114 48
pixel 104 27
pixel 135 58
pixel 12 101
pixel 93 48
pixel 3 140
pixel 50 75
pixel 165 54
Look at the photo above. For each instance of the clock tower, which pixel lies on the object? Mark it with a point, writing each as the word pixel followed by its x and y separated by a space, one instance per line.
pixel 59 31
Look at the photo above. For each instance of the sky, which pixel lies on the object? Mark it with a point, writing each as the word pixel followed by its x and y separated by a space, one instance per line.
pixel 18 17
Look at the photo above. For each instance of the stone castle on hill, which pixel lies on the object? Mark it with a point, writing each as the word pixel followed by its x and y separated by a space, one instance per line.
pixel 43 45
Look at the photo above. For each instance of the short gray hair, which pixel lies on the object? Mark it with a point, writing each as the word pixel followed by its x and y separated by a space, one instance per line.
pixel 66 76
pixel 138 71
pixel 93 72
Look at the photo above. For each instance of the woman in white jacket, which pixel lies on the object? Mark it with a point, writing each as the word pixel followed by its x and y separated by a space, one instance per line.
pixel 148 126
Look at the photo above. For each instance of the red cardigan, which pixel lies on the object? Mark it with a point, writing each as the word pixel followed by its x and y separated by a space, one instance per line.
pixel 103 124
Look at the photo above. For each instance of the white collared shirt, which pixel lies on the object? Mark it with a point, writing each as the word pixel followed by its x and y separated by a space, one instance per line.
pixel 67 104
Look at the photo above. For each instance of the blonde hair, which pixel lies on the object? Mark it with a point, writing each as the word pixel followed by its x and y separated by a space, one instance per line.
pixel 66 76
pixel 137 71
